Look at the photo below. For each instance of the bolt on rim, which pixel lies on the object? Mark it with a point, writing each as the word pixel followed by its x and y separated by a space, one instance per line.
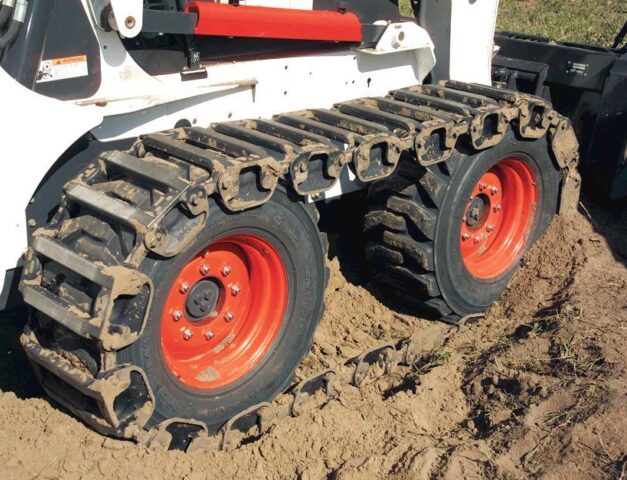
pixel 224 311
pixel 497 221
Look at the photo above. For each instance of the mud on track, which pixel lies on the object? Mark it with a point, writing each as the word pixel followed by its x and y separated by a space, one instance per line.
pixel 537 389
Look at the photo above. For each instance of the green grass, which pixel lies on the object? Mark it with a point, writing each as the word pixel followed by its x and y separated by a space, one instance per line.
pixel 594 22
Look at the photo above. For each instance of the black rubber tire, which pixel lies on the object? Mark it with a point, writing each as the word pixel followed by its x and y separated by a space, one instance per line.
pixel 413 226
pixel 292 230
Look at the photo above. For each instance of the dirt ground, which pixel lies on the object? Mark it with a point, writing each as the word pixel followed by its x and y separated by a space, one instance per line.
pixel 536 389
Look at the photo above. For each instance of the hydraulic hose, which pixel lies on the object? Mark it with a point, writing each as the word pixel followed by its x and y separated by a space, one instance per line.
pixel 5 12
pixel 620 38
pixel 19 14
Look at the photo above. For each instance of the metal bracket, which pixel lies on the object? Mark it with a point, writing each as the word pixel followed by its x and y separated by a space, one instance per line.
pixel 406 37
pixel 378 355
pixel 125 16
pixel 309 387
pixel 238 422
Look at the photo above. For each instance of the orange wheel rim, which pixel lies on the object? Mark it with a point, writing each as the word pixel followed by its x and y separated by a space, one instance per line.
pixel 498 218
pixel 224 311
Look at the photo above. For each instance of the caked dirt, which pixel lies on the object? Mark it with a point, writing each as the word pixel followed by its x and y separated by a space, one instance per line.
pixel 537 389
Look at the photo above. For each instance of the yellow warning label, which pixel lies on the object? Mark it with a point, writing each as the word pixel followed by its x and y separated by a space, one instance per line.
pixel 67 60
pixel 62 68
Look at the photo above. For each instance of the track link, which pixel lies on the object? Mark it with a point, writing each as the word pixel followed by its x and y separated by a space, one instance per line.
pixel 89 299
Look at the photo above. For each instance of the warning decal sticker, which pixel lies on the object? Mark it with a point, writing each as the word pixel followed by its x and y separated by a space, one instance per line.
pixel 62 68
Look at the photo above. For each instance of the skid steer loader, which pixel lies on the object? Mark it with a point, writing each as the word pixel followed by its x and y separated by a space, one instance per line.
pixel 162 162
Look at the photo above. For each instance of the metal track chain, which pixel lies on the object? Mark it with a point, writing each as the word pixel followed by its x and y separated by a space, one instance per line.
pixel 313 392
pixel 82 273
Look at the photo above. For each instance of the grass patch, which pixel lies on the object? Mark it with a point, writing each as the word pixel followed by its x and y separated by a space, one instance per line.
pixel 435 360
pixel 594 22
pixel 576 359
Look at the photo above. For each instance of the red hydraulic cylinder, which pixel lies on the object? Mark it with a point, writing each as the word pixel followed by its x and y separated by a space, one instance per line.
pixel 225 20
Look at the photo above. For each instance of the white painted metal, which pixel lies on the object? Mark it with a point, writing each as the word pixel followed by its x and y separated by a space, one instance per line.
pixel 35 133
pixel 128 16
pixel 463 34
pixel 134 102
pixel 403 37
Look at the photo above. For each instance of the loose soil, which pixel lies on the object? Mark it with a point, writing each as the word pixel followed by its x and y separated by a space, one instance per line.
pixel 536 389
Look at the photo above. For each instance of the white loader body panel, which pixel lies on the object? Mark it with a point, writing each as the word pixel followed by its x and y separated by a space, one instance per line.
pixel 36 130
pixel 463 34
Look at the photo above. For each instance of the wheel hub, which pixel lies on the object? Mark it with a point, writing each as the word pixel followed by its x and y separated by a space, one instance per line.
pixel 498 218
pixel 202 300
pixel 475 210
pixel 220 329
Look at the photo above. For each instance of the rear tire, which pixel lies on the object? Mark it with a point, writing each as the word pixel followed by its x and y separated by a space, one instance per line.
pixel 415 228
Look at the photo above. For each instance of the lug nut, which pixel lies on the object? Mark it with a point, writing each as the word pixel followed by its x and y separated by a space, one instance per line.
pixel 235 289
pixel 229 316
pixel 497 207
pixel 482 186
pixel 177 315
pixel 490 228
pixel 184 287
pixel 476 239
pixel 187 334
pixel 226 270
pixel 465 236
pixel 494 190
pixel 204 269
pixel 209 335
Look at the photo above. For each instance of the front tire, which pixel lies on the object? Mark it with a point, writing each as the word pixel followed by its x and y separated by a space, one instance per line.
pixel 450 236
pixel 262 273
